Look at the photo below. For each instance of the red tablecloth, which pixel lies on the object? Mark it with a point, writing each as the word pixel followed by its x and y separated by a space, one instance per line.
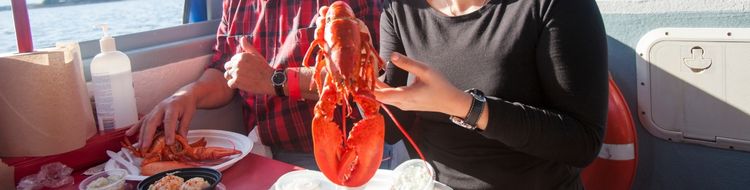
pixel 255 172
pixel 252 172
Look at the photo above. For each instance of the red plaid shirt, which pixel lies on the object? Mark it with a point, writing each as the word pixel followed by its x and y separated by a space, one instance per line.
pixel 282 123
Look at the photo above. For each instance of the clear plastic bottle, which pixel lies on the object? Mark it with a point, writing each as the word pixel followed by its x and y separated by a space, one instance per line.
pixel 113 86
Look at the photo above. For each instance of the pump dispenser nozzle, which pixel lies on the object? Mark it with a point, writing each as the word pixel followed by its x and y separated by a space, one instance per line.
pixel 106 43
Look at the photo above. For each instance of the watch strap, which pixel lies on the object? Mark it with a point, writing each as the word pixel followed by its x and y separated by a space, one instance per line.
pixel 279 91
pixel 476 108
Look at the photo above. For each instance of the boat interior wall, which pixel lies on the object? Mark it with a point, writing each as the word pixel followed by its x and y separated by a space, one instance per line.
pixel 158 47
pixel 692 85
pixel 6 177
pixel 154 84
pixel 663 164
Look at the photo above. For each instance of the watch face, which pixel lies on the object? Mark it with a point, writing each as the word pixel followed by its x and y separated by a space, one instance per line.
pixel 479 95
pixel 278 78
pixel 481 98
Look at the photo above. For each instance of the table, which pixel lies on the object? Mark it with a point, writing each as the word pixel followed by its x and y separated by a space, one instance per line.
pixel 252 172
pixel 255 172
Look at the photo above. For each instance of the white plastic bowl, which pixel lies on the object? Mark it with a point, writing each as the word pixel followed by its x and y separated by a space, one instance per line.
pixel 414 174
pixel 314 180
pixel 303 180
pixel 115 179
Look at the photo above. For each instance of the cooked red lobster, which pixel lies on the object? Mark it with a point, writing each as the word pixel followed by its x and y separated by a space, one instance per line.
pixel 349 58
pixel 162 157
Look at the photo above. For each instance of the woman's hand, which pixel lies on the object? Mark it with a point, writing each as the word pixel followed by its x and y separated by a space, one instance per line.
pixel 429 92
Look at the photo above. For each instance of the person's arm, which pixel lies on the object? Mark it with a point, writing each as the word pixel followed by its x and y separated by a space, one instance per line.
pixel 210 90
pixel 394 76
pixel 572 66
pixel 176 111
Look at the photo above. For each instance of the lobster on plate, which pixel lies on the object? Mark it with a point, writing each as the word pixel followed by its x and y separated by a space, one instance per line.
pixel 162 157
pixel 348 56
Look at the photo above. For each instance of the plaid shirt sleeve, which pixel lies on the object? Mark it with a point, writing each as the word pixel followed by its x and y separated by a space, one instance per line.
pixel 370 15
pixel 220 48
pixel 235 22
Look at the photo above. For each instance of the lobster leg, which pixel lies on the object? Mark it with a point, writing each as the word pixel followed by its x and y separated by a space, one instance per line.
pixel 320 62
pixel 200 143
pixel 128 145
pixel 201 153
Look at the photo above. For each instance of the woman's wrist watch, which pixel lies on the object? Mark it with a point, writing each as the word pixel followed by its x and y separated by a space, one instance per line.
pixel 475 110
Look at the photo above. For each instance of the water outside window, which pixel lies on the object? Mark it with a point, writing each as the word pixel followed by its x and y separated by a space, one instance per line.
pixel 69 21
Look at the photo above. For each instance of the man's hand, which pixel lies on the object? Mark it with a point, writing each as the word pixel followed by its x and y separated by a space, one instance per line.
pixel 249 71
pixel 175 112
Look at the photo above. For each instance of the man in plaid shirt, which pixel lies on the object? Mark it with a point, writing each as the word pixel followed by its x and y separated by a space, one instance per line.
pixel 258 39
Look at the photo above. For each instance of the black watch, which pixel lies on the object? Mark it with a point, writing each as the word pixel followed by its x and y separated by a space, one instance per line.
pixel 475 111
pixel 278 79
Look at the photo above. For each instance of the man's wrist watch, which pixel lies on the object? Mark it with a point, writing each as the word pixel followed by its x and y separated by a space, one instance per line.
pixel 278 79
pixel 475 110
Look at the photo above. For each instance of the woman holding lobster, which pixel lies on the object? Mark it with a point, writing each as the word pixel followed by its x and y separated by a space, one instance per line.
pixel 535 75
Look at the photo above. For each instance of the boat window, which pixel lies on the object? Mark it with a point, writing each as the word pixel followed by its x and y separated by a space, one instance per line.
pixel 75 20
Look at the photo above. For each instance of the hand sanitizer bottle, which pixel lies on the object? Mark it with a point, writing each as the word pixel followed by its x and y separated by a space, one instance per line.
pixel 113 86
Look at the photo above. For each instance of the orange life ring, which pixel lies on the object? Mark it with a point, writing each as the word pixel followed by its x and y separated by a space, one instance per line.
pixel 616 164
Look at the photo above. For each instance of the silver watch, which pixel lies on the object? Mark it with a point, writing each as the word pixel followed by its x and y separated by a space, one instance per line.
pixel 460 122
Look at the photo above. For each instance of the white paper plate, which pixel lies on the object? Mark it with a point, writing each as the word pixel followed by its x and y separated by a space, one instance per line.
pixel 214 138
pixel 309 179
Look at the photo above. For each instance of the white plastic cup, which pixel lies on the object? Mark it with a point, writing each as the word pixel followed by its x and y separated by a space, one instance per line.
pixel 115 183
pixel 303 180
pixel 414 169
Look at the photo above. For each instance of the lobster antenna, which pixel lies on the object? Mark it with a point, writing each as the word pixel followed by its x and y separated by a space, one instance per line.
pixel 343 125
pixel 411 141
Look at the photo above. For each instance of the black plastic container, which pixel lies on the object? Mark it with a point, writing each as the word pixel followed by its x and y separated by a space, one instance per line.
pixel 212 176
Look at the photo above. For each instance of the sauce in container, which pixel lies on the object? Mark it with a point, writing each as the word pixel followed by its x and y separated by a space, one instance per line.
pixel 414 174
